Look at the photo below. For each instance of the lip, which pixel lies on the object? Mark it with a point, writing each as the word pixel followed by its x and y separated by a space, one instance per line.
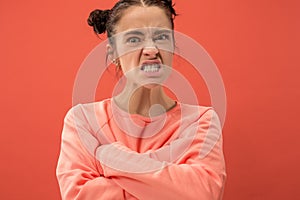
pixel 149 62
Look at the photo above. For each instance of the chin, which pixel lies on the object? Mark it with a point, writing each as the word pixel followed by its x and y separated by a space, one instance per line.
pixel 151 85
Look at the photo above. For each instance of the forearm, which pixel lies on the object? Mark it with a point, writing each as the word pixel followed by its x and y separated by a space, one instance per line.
pixel 147 178
pixel 99 188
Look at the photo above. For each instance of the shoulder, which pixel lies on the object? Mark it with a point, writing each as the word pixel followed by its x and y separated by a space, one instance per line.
pixel 196 112
pixel 203 116
pixel 93 114
pixel 88 108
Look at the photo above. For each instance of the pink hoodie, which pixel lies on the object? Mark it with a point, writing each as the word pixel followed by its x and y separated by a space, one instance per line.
pixel 107 153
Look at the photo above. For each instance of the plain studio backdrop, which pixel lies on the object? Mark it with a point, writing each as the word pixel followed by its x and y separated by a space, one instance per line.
pixel 254 43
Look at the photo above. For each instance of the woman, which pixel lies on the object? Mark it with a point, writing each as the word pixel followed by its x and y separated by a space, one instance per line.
pixel 140 144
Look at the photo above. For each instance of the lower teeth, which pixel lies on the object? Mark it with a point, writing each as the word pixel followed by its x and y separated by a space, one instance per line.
pixel 150 70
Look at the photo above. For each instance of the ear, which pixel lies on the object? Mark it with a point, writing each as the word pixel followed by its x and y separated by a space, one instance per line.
pixel 111 55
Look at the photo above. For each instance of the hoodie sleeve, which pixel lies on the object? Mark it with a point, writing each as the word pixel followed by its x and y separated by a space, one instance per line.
pixel 198 173
pixel 79 175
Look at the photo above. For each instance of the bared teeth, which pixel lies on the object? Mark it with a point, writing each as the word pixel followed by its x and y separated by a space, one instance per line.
pixel 151 68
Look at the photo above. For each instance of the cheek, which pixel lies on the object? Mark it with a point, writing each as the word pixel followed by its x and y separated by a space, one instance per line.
pixel 129 61
pixel 167 58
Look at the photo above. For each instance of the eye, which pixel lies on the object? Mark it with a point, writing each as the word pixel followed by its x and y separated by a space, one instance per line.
pixel 162 37
pixel 133 40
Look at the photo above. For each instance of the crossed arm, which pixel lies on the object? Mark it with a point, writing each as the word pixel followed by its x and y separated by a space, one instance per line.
pixel 113 171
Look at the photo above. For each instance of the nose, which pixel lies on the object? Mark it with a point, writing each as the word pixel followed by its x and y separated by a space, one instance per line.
pixel 150 50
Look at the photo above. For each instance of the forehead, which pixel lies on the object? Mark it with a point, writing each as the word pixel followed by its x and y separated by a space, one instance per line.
pixel 137 17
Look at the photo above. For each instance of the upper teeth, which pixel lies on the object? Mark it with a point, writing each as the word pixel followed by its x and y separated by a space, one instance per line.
pixel 151 68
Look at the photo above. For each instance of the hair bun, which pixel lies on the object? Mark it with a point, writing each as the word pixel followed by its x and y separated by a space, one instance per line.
pixel 98 20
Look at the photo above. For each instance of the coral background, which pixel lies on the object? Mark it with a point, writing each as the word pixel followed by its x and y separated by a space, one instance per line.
pixel 254 43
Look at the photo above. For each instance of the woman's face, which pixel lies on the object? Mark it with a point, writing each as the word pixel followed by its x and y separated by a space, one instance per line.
pixel 144 44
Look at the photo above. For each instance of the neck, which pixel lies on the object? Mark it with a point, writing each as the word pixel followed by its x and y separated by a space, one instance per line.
pixel 139 100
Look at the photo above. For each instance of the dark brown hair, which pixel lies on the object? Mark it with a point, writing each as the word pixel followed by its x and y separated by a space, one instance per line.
pixel 105 20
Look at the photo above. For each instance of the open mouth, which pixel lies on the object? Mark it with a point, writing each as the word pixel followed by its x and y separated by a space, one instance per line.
pixel 150 67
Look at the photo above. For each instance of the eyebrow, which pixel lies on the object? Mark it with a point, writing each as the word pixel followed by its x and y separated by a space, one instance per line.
pixel 134 32
pixel 157 32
